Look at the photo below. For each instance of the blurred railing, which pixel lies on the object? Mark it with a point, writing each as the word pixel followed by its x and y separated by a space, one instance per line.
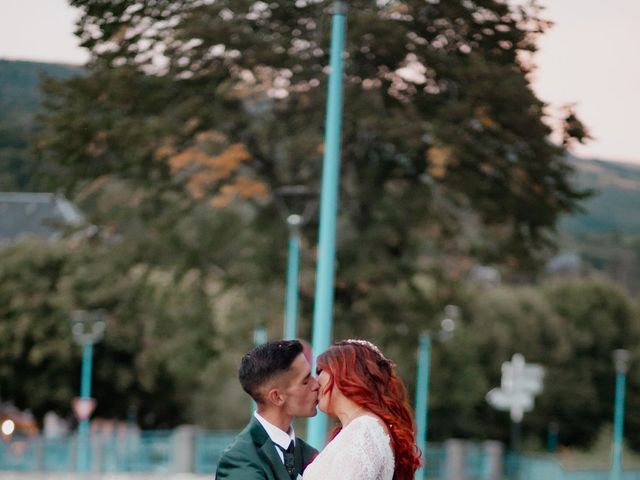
pixel 150 451
pixel 535 468
pixel 208 449
pixel 186 449
pixel 191 450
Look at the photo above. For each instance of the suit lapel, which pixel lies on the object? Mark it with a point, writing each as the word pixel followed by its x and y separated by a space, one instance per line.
pixel 297 456
pixel 267 450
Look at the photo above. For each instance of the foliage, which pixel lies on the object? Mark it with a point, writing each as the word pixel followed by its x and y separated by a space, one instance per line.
pixel 192 113
pixel 571 327
pixel 599 318
pixel 446 159
pixel 159 330
pixel 439 114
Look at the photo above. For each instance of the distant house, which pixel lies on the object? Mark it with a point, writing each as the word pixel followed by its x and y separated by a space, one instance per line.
pixel 485 275
pixel 567 263
pixel 43 215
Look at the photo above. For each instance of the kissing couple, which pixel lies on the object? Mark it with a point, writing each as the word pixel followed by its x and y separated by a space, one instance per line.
pixel 355 384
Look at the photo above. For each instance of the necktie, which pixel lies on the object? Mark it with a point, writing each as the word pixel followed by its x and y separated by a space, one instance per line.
pixel 289 462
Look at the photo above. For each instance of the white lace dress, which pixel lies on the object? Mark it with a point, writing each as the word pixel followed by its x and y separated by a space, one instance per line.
pixel 361 451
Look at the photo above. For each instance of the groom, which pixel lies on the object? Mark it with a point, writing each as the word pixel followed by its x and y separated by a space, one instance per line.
pixel 278 377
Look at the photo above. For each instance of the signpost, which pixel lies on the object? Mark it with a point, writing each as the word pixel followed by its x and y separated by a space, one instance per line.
pixel 519 384
pixel 83 407
pixel 88 328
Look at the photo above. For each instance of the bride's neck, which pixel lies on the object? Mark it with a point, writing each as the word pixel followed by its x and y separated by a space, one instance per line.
pixel 347 410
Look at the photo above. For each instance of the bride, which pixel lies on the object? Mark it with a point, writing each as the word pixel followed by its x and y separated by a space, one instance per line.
pixel 375 437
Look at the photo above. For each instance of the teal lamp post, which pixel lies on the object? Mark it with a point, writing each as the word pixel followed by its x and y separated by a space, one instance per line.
pixel 422 396
pixel 296 205
pixel 260 337
pixel 447 326
pixel 621 362
pixel 325 270
pixel 87 328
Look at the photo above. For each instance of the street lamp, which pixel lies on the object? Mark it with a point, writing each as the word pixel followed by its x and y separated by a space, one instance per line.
pixel 325 268
pixel 621 361
pixel 296 205
pixel 87 328
pixel 447 326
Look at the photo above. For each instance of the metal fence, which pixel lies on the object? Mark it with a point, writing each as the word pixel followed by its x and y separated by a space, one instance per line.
pixel 139 452
pixel 188 449
pixel 208 449
pixel 537 468
pixel 148 451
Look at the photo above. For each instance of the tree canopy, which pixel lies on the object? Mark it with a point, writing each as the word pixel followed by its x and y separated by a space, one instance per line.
pixel 192 113
pixel 227 98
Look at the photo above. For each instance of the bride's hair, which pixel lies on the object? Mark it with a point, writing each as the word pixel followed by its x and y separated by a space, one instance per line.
pixel 365 376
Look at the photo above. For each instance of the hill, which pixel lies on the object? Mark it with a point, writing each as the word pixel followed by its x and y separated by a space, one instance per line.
pixel 20 99
pixel 613 208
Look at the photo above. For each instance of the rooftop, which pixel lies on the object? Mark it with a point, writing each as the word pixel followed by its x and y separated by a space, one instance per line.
pixel 41 215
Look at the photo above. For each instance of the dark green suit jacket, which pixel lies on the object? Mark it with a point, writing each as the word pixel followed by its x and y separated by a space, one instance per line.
pixel 253 456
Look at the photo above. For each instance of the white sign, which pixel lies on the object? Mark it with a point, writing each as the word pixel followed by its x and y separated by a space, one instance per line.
pixel 519 383
pixel 83 407
pixel 518 376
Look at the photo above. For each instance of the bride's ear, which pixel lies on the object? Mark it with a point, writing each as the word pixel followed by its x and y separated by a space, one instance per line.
pixel 275 397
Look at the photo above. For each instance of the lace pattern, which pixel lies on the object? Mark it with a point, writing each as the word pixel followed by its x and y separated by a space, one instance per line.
pixel 361 451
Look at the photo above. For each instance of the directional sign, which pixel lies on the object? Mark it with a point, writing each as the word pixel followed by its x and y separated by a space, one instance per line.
pixel 515 402
pixel 518 376
pixel 519 383
pixel 83 407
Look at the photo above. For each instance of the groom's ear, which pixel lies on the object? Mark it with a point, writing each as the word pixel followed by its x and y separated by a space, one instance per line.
pixel 275 397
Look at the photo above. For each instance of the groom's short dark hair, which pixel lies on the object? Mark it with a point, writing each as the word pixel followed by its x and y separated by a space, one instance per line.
pixel 265 362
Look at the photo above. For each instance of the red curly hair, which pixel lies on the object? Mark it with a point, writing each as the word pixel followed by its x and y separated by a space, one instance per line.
pixel 365 376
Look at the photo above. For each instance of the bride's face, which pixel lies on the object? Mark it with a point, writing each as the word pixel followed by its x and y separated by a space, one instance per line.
pixel 324 395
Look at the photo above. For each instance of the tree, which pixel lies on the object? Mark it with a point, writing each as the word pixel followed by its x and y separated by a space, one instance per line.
pixel 446 156
pixel 207 107
pixel 570 327
pixel 439 114
pixel 159 333
pixel 598 318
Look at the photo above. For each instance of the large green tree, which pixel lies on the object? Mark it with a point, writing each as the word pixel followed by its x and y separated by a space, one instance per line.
pixel 571 327
pixel 159 337
pixel 203 108
pixel 439 115
pixel 446 155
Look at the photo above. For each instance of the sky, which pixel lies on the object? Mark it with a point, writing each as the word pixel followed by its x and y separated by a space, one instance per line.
pixel 589 58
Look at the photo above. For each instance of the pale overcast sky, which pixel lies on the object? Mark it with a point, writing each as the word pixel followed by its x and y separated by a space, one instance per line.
pixel 588 58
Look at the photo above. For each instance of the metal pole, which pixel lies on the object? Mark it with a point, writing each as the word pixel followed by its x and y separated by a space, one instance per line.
pixel 621 359
pixel 552 437
pixel 422 398
pixel 291 311
pixel 323 308
pixel 260 337
pixel 85 392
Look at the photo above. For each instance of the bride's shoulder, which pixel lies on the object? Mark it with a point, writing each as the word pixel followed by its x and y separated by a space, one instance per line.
pixel 371 421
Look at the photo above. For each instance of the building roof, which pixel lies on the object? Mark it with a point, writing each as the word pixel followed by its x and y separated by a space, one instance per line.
pixel 41 215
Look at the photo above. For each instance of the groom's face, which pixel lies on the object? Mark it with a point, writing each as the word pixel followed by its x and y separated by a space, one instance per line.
pixel 300 390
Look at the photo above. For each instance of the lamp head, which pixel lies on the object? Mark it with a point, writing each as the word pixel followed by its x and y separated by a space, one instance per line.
pixel 621 359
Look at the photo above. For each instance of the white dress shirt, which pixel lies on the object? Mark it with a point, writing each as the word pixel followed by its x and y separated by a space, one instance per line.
pixel 277 436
